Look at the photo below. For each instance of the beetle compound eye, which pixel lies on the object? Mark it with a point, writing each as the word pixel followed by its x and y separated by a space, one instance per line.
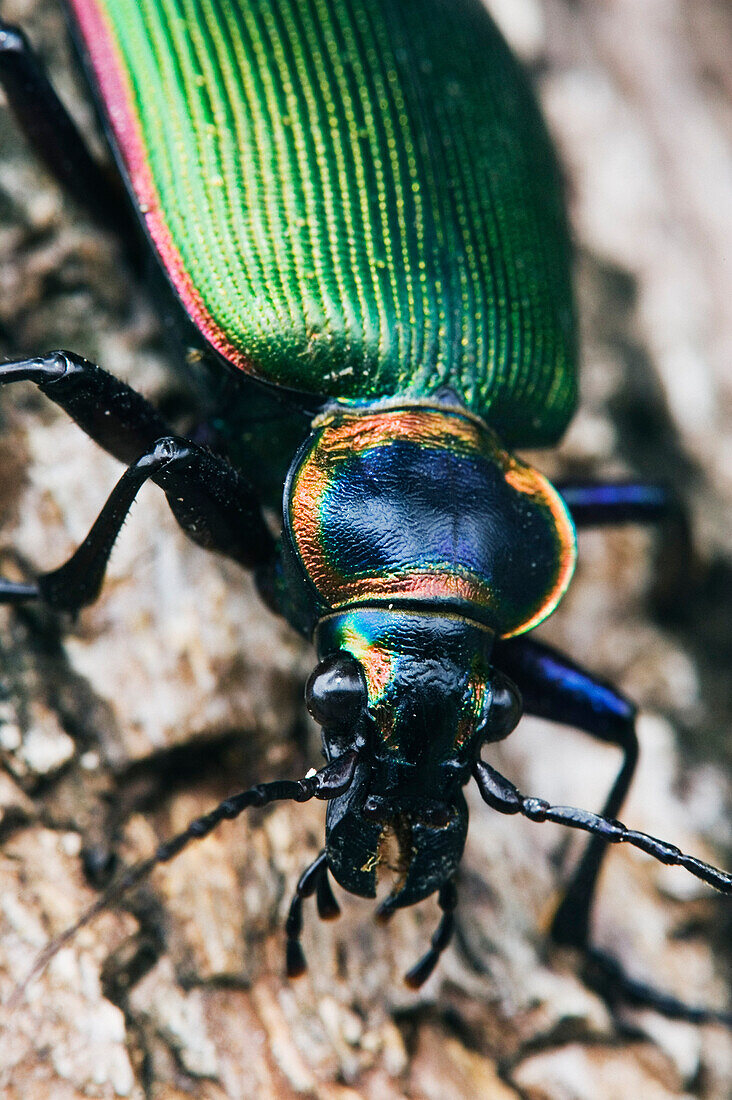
pixel 504 711
pixel 335 694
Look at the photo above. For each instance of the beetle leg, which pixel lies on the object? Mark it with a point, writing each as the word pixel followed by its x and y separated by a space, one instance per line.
pixel 216 507
pixel 314 880
pixel 210 500
pixel 501 795
pixel 447 901
pixel 597 504
pixel 78 581
pixel 52 133
pixel 328 907
pixel 109 411
pixel 16 592
pixel 556 688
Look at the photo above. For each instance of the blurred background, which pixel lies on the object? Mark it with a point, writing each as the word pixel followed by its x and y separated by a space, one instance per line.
pixel 116 729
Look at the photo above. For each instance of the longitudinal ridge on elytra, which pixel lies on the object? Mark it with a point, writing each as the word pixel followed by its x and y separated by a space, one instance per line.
pixel 406 235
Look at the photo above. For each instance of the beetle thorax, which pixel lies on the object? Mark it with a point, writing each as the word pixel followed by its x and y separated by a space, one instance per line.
pixel 420 507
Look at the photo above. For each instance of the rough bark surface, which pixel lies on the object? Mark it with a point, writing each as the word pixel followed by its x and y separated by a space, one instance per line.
pixel 178 687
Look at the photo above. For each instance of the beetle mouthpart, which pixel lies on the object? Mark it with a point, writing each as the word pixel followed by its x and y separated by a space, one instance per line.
pixel 388 907
pixel 394 853
pixel 403 831
pixel 430 856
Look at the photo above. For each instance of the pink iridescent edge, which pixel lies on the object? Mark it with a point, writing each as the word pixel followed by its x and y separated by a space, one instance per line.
pixel 118 103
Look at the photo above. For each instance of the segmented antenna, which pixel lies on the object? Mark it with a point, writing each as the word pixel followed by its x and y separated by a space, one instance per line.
pixel 329 782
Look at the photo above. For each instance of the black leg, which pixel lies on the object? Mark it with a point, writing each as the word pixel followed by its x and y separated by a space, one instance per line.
pixel 107 410
pixel 554 687
pixel 12 592
pixel 328 907
pixel 597 504
pixel 52 133
pixel 314 880
pixel 211 501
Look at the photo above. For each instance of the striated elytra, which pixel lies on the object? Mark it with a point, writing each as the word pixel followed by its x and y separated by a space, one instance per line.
pixel 356 199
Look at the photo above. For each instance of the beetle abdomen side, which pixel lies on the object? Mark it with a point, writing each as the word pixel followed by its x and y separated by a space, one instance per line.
pixel 354 198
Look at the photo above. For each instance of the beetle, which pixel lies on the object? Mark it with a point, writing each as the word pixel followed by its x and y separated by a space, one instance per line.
pixel 358 211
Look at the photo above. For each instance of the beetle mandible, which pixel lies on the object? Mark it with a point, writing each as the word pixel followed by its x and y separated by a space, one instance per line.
pixel 358 209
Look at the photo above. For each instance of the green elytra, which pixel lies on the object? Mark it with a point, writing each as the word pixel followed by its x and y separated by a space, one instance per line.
pixel 353 198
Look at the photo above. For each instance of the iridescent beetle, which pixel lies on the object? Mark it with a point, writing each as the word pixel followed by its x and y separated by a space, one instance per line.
pixel 357 207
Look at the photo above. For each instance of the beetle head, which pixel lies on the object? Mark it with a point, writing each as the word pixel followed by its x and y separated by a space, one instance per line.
pixel 415 695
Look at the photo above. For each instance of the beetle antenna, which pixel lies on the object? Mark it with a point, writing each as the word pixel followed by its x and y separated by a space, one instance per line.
pixel 329 782
pixel 604 973
pixel 501 795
